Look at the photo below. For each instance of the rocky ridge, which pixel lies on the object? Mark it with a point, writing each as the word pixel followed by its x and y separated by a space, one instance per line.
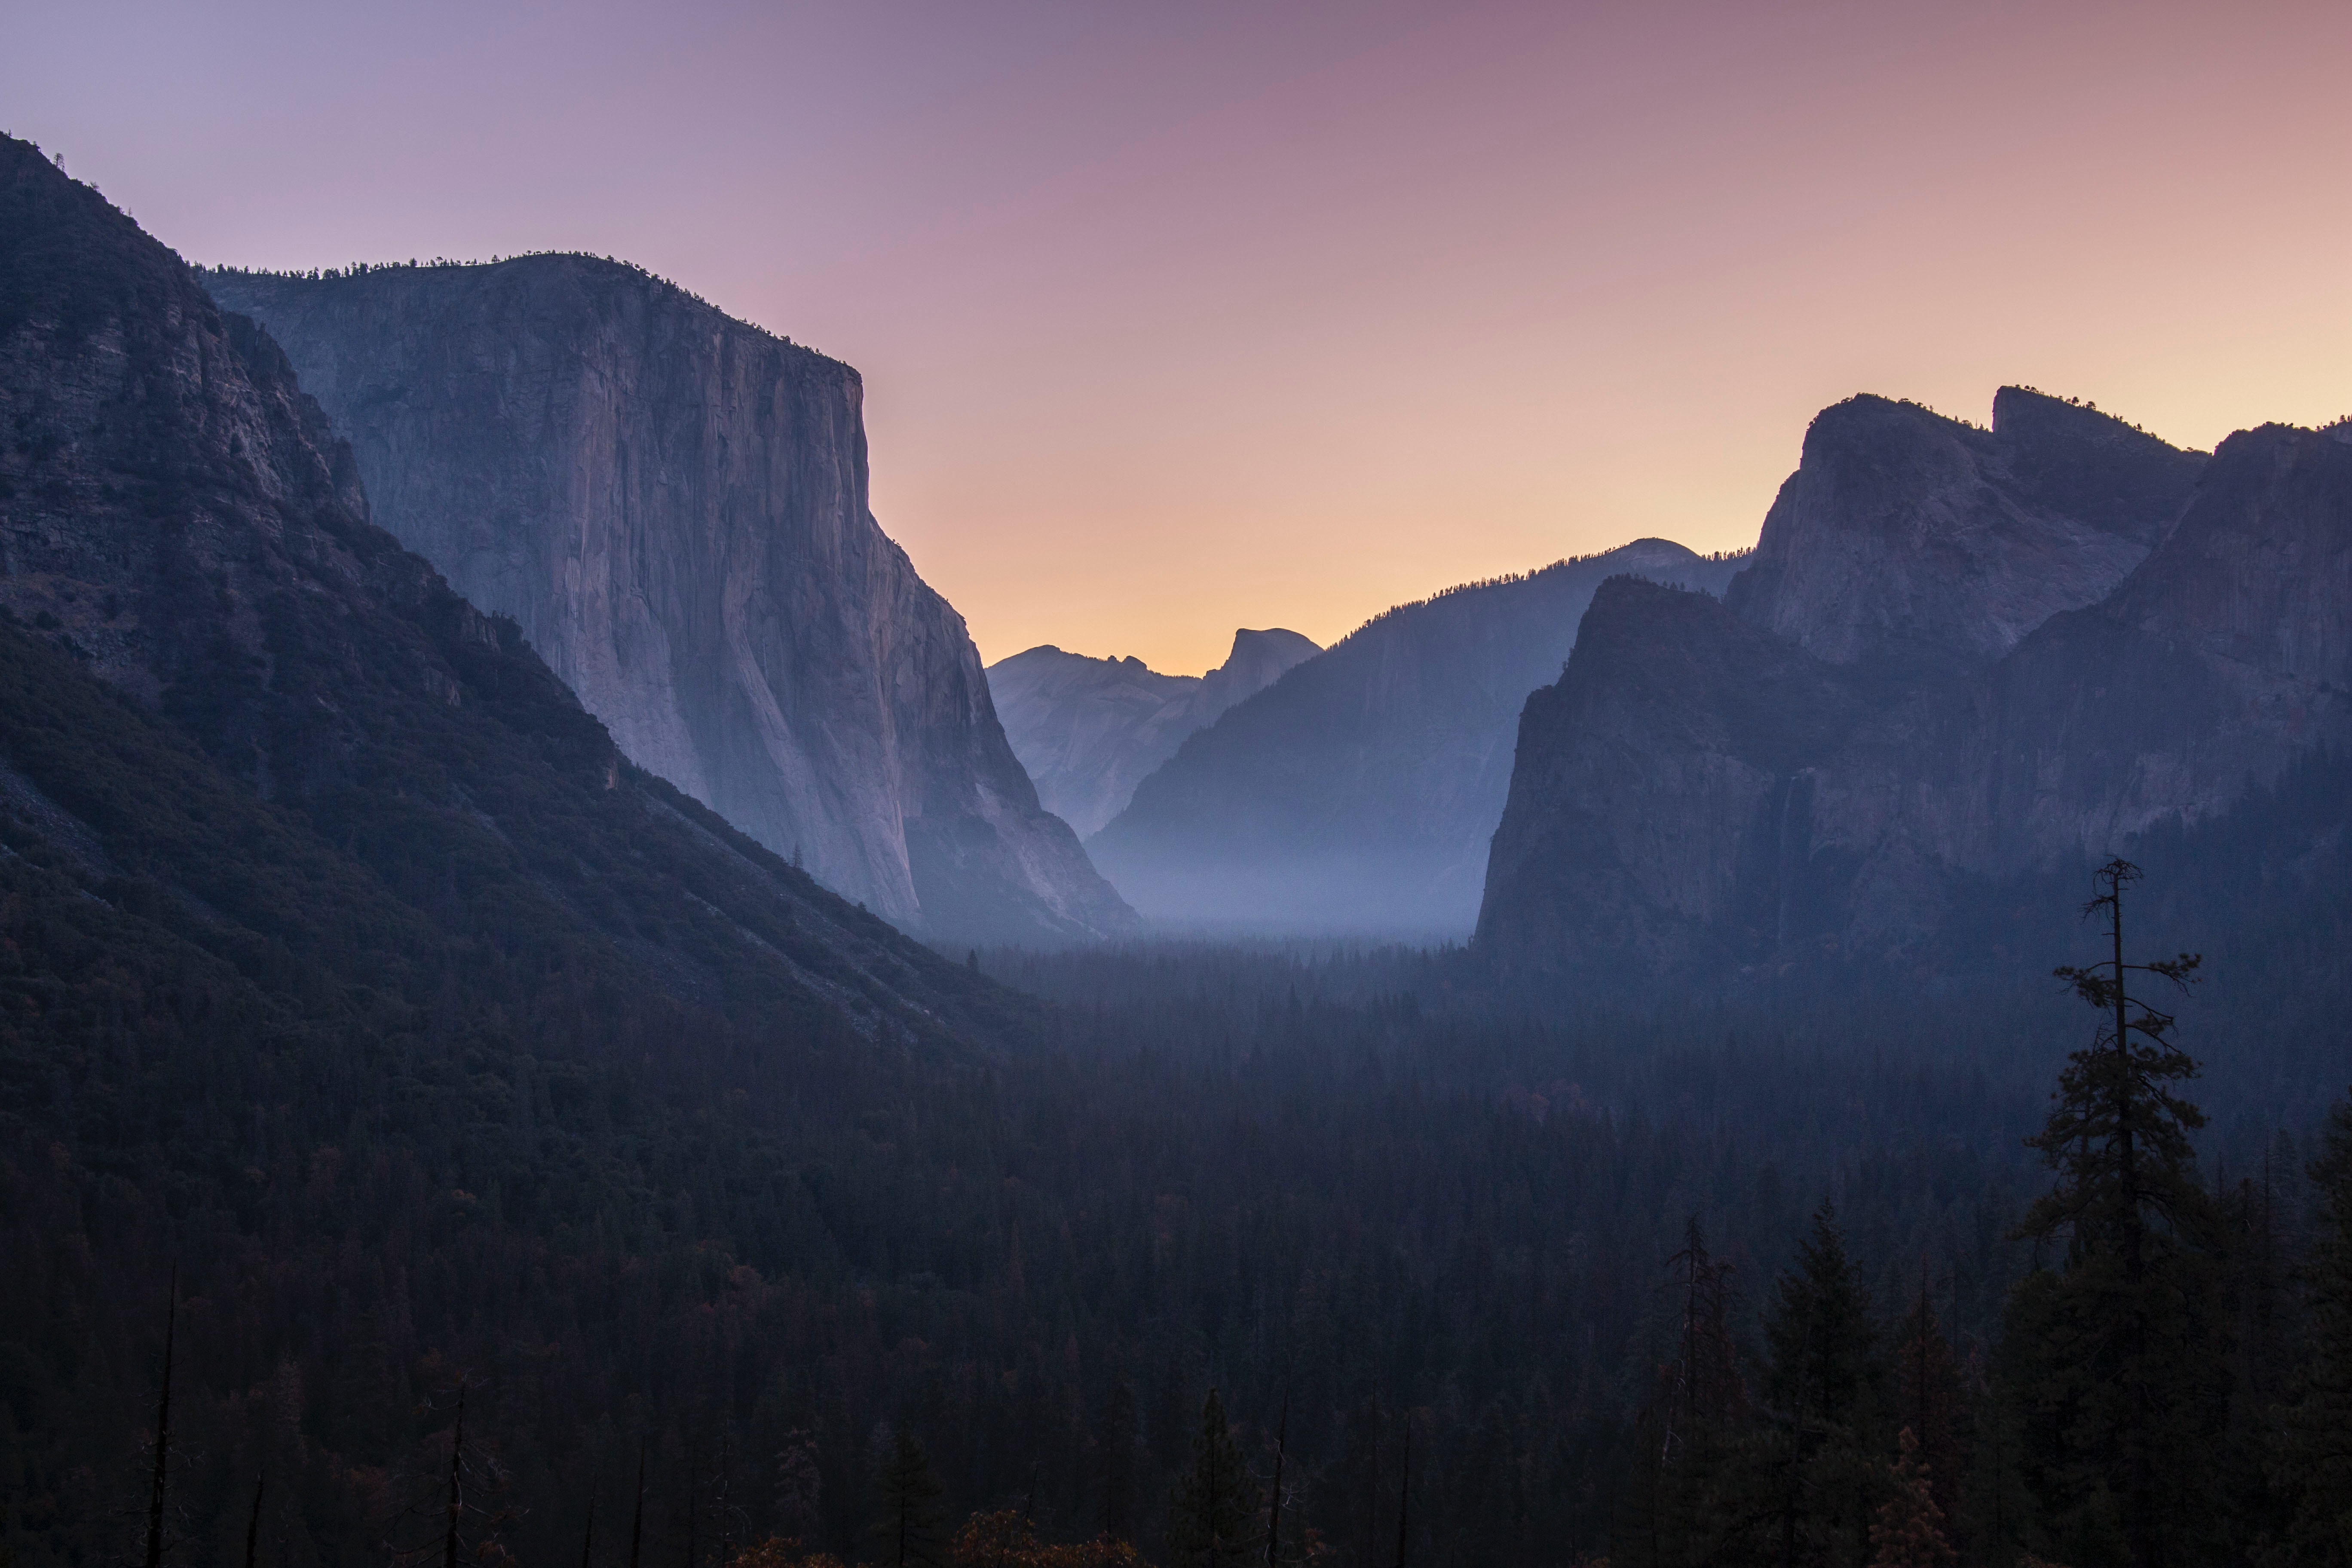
pixel 672 505
pixel 1786 778
pixel 1089 729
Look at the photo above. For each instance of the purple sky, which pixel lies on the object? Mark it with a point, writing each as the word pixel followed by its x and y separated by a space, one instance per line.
pixel 1180 318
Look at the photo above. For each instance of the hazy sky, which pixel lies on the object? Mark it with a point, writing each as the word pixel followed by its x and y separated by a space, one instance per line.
pixel 1180 317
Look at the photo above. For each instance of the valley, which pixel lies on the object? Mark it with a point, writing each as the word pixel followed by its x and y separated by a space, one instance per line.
pixel 551 1006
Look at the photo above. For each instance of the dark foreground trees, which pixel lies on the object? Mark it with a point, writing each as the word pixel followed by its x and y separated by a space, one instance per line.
pixel 1444 1233
pixel 2115 1421
pixel 2118 1353
pixel 2313 1464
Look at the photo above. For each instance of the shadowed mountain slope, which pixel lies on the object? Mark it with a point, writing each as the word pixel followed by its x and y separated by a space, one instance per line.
pixel 1358 791
pixel 1089 729
pixel 1795 777
pixel 672 505
pixel 245 739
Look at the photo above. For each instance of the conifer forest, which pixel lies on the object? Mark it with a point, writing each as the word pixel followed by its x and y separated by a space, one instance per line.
pixel 1312 1255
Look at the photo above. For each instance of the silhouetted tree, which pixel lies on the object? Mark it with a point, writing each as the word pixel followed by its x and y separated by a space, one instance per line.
pixel 1927 1401
pixel 908 1530
pixel 1212 1522
pixel 2314 1463
pixel 1824 1381
pixel 162 1429
pixel 2120 1360
pixel 1682 1503
pixel 1909 1529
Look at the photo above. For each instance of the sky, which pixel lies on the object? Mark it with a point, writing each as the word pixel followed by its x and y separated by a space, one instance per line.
pixel 1180 318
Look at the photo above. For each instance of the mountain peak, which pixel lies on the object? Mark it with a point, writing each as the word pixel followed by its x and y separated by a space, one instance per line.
pixel 1907 536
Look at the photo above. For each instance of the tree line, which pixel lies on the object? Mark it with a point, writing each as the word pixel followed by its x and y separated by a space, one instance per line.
pixel 1440 1270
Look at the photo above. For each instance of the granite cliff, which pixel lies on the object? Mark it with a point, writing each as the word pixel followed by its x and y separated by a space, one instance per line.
pixel 264 776
pixel 1910 539
pixel 1866 741
pixel 1089 729
pixel 672 505
pixel 1358 791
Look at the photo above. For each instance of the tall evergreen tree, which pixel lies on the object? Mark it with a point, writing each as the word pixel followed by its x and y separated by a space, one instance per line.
pixel 1684 1503
pixel 1909 1530
pixel 1823 1480
pixel 1928 1402
pixel 907 1530
pixel 2119 1354
pixel 1215 1519
pixel 2314 1464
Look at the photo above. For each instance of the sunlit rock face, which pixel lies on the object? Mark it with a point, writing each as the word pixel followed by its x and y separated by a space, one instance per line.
pixel 1358 791
pixel 673 505
pixel 1868 733
pixel 1090 730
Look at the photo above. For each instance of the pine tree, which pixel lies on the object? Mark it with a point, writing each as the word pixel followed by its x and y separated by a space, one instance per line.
pixel 1909 1529
pixel 2314 1463
pixel 163 1431
pixel 1927 1401
pixel 1214 1518
pixel 1823 1478
pixel 2119 1355
pixel 908 1529
pixel 1684 1503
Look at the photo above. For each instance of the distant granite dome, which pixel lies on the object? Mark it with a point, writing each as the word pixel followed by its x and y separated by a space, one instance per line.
pixel 1868 735
pixel 673 505
pixel 1089 729
pixel 1358 791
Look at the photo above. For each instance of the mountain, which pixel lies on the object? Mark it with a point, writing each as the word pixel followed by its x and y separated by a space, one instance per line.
pixel 1866 742
pixel 1907 538
pixel 1358 791
pixel 1088 730
pixel 272 794
pixel 672 505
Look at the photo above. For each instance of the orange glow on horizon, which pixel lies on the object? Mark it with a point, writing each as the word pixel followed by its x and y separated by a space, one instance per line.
pixel 1172 323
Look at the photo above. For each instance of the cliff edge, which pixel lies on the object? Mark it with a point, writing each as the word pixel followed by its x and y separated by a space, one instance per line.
pixel 672 504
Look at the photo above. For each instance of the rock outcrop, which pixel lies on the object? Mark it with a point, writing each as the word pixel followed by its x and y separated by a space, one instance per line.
pixel 262 737
pixel 673 506
pixel 1837 760
pixel 1358 791
pixel 1089 729
pixel 1907 538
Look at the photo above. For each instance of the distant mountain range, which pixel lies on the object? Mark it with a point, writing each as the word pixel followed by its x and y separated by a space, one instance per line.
pixel 672 506
pixel 1358 791
pixel 1962 660
pixel 1089 729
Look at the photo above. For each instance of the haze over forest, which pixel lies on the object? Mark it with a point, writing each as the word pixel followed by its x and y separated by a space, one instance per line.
pixel 627 940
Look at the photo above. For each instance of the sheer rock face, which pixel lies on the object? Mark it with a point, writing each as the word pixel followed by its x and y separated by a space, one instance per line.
pixel 1358 791
pixel 1912 540
pixel 1089 729
pixel 1707 788
pixel 673 506
pixel 177 516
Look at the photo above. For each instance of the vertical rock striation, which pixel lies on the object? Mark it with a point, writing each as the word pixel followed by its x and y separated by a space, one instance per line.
pixel 1089 729
pixel 673 506
pixel 309 772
